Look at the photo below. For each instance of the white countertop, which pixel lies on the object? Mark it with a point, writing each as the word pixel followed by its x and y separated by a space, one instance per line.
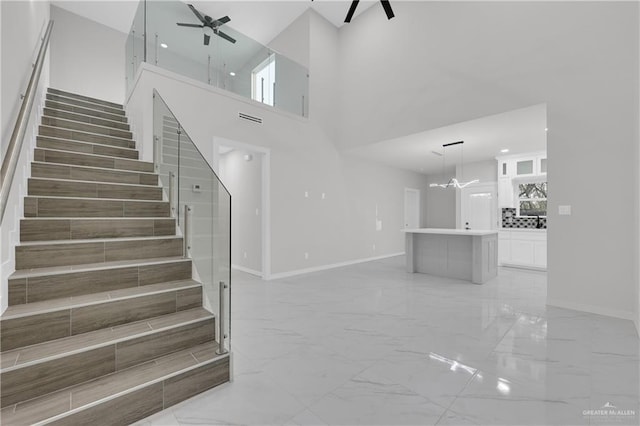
pixel 444 231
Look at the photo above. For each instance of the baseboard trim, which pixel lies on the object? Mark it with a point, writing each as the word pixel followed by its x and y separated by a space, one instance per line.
pixel 247 270
pixel 295 272
pixel 592 309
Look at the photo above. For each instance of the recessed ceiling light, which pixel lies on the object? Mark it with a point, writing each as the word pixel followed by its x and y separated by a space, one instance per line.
pixel 504 150
pixel 163 45
pixel 232 74
pixel 546 129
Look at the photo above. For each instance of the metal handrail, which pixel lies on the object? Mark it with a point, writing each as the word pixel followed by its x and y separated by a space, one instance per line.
pixel 10 161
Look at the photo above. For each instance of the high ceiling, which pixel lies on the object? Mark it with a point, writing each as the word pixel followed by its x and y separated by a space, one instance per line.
pixel 261 20
pixel 519 131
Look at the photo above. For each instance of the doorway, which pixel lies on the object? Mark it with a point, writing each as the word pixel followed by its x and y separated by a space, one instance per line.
pixel 244 169
pixel 478 207
pixel 411 208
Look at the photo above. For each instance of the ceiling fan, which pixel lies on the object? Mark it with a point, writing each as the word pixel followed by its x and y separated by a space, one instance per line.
pixel 385 5
pixel 209 26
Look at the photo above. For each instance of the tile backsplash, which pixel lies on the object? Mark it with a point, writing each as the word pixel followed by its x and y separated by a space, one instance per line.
pixel 510 220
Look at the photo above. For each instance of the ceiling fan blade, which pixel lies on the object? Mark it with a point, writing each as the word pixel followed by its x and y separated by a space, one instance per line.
pixel 221 21
pixel 387 8
pixel 206 39
pixel 225 36
pixel 189 25
pixel 352 10
pixel 198 14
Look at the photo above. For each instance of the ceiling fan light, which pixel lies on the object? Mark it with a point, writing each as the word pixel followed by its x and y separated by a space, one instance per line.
pixel 207 31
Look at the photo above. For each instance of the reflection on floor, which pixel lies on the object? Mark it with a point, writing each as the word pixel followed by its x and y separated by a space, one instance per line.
pixel 372 345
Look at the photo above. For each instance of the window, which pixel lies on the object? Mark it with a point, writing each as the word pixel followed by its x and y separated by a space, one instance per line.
pixel 263 81
pixel 532 199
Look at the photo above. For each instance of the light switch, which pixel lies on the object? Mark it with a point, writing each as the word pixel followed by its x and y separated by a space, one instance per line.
pixel 378 225
pixel 564 210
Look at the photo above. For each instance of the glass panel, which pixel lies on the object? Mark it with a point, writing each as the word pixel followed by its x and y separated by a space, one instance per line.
pixel 202 208
pixel 524 167
pixel 134 47
pixel 533 208
pixel 543 165
pixel 222 64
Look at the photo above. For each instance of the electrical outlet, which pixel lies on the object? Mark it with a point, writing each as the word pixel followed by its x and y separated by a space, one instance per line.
pixel 306 256
pixel 245 254
pixel 374 247
pixel 257 212
pixel 324 195
pixel 306 194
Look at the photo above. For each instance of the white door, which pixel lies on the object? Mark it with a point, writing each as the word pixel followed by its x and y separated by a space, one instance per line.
pixel 479 207
pixel 411 208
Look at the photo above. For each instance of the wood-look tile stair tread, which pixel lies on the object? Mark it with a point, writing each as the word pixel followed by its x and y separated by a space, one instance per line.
pixel 55 270
pixel 18 311
pixel 84 104
pixel 92 155
pixel 55 138
pixel 98 129
pixel 67 181
pixel 41 352
pixel 111 385
pixel 98 240
pixel 85 98
pixel 54 197
pixel 61 113
pixel 97 169
pixel 76 109
pixel 88 133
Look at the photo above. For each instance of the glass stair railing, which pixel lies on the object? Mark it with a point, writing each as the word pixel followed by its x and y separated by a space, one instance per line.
pixel 246 67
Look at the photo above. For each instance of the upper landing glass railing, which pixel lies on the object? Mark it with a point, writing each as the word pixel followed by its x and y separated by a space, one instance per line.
pixel 246 67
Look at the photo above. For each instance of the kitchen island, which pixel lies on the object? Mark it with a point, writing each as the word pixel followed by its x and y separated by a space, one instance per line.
pixel 470 255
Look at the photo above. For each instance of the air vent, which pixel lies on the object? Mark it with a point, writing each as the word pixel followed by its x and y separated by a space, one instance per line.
pixel 250 117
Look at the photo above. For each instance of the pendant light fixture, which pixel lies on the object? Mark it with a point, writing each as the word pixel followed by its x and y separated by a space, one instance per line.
pixel 453 182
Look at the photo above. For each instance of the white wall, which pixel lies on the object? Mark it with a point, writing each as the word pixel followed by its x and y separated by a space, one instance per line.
pixel 484 171
pixel 22 24
pixel 482 58
pixel 243 179
pixel 440 209
pixel 86 57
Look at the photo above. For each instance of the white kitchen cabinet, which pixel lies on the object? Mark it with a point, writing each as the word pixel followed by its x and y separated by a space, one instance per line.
pixel 524 248
pixel 540 254
pixel 505 193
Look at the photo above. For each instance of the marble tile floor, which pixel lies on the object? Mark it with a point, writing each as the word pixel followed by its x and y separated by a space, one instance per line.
pixel 372 345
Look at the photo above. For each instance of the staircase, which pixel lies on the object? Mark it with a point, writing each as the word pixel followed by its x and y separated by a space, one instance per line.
pixel 105 324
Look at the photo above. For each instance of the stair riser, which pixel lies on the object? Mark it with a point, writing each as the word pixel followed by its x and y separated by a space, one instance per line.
pixel 59 207
pixel 67 115
pixel 132 407
pixel 57 171
pixel 84 98
pixel 84 111
pixel 48 287
pixel 84 229
pixel 86 148
pixel 85 127
pixel 25 331
pixel 45 377
pixel 58 132
pixel 92 190
pixel 84 104
pixel 47 255
pixel 26 383
pixel 78 159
